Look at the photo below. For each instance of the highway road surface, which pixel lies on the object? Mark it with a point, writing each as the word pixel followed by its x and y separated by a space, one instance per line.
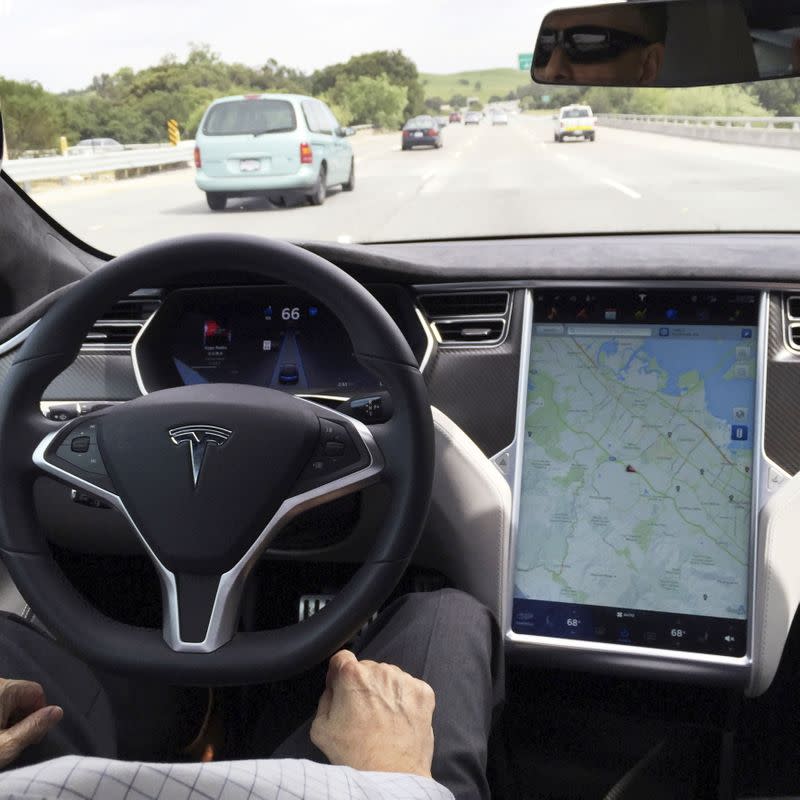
pixel 485 181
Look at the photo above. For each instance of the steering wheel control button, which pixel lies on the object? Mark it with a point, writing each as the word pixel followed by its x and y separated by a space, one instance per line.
pixel 79 448
pixel 335 456
pixel 332 431
pixel 80 444
pixel 334 448
pixel 88 460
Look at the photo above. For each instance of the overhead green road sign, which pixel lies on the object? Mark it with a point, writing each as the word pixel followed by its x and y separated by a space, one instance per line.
pixel 525 61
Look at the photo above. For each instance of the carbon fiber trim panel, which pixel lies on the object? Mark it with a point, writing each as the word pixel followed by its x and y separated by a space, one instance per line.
pixel 782 404
pixel 477 386
pixel 5 365
pixel 95 376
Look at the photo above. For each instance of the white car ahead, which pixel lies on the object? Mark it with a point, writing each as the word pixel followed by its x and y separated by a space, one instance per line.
pixel 575 120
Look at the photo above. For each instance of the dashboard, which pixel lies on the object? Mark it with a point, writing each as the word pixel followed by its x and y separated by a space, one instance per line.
pixel 615 447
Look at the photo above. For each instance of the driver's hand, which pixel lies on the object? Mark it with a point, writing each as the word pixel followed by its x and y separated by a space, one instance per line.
pixel 374 717
pixel 24 717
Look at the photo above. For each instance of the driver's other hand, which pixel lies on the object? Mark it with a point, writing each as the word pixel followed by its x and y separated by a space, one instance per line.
pixel 24 717
pixel 374 717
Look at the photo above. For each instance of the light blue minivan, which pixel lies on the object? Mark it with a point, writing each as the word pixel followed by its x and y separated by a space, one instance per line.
pixel 280 146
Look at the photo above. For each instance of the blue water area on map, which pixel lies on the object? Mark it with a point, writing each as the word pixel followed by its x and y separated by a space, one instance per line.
pixel 713 358
pixel 608 348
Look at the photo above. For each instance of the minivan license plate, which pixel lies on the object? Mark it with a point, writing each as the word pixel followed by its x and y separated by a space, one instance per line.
pixel 417 134
pixel 249 165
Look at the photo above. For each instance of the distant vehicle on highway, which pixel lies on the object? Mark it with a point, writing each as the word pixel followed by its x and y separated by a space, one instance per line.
pixel 499 118
pixel 419 131
pixel 455 116
pixel 88 147
pixel 575 121
pixel 281 146
pixel 442 121
pixel 473 118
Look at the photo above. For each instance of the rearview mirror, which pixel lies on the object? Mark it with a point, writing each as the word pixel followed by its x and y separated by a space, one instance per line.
pixel 669 43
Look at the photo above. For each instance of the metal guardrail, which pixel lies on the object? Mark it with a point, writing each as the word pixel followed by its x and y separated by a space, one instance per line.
pixel 25 170
pixel 135 156
pixel 767 123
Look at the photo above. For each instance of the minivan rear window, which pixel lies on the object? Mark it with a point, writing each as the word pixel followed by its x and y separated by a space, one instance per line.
pixel 571 113
pixel 250 116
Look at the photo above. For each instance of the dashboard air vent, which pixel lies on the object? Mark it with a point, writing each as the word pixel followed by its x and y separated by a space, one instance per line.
pixel 793 307
pixel 465 304
pixel 470 331
pixel 794 335
pixel 120 325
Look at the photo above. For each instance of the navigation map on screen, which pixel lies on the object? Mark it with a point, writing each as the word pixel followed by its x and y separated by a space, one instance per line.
pixel 636 477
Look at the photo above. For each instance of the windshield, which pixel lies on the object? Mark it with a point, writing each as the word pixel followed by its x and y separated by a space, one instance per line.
pixel 419 122
pixel 249 116
pixel 140 121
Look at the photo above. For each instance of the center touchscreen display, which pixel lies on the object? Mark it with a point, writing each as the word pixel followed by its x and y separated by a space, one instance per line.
pixel 636 470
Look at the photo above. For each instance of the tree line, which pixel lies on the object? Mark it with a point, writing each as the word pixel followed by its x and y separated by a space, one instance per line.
pixel 381 88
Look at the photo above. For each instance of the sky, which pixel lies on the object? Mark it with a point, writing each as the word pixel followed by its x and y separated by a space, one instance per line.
pixel 63 45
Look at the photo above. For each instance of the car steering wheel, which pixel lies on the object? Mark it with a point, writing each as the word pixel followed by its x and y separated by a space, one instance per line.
pixel 208 474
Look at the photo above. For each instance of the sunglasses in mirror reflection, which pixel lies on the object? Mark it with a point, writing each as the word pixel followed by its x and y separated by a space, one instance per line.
pixel 667 43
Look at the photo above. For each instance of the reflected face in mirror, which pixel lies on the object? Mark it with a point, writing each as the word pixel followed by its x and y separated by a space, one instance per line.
pixel 607 45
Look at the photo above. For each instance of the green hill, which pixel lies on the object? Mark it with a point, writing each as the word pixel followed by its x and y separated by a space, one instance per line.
pixel 492 81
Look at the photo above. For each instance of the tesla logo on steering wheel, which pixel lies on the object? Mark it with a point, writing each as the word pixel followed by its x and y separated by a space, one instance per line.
pixel 199 437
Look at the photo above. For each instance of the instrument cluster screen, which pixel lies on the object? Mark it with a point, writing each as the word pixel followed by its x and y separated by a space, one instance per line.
pixel 275 337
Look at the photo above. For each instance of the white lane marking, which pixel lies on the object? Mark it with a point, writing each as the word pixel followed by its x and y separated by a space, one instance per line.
pixel 458 154
pixel 621 187
pixel 562 157
pixel 95 227
pixel 427 176
pixel 344 239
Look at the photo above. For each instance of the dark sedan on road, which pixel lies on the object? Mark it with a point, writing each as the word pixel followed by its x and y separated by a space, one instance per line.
pixel 422 131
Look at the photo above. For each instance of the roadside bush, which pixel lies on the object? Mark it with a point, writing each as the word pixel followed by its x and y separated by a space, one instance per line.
pixel 369 101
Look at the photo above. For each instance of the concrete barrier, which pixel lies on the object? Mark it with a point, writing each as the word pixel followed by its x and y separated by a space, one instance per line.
pixel 733 130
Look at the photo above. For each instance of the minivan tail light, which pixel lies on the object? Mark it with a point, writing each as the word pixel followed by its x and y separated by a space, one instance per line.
pixel 306 154
pixel 198 161
pixel 431 132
